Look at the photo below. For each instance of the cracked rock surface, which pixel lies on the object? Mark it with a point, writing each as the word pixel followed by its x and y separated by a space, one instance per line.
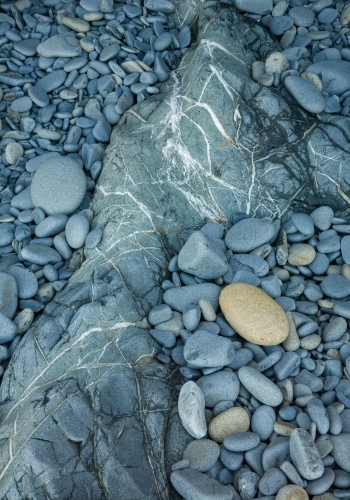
pixel 86 411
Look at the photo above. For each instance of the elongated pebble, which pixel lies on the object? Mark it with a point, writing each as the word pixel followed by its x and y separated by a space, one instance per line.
pixel 228 422
pixel 260 386
pixel 304 455
pixel 195 485
pixel 191 407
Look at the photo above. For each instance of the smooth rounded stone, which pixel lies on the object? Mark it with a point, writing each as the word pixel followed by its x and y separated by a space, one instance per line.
pixel 249 262
pixel 327 16
pixel 341 450
pixel 320 264
pixel 58 186
pixel 272 481
pixel 335 75
pixel 304 455
pixel 334 330
pixel 179 297
pixel 345 249
pixel 165 338
pixel 322 217
pixel 7 233
pixel 302 16
pixel 163 41
pixel 202 257
pixel 241 441
pixel 8 329
pixel 242 357
pixel 8 295
pixel 253 314
pixel 202 454
pixel 276 63
pixel 164 6
pixel 233 461
pixel 258 70
pixel 207 310
pixel 260 7
pixel 263 421
pixel 195 485
pixel 317 413
pixel 260 386
pixel 291 473
pixel 61 45
pixel 301 254
pixel 21 105
pixel 335 286
pixel 306 94
pixel 93 238
pixel 174 324
pixel 219 386
pixel 51 225
pixel 53 80
pixel 254 458
pixel 322 484
pixel 27 47
pixel 312 78
pixel 286 365
pixel 40 254
pixel 27 284
pixel 23 320
pixel 248 234
pixel 77 229
pixel 159 314
pixel 191 408
pixel 34 163
pixel 341 479
pixel 50 273
pixel 76 24
pixel 228 422
pixel 276 453
pixel 246 482
pixel 13 152
pixel 292 492
pixel 342 309
pixel 280 24
pixel 323 443
pixel 204 349
pixel 191 317
pixel 303 222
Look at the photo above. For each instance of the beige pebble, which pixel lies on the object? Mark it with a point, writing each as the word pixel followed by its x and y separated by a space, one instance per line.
pixel 328 304
pixel 23 320
pixel 333 269
pixel 131 67
pixel 207 309
pixel 310 342
pixel 312 78
pixel 292 492
pixel 333 353
pixel 280 273
pixel 283 428
pixel 13 152
pixel 92 16
pixel 345 15
pixel 52 135
pixel 253 314
pixel 87 45
pixel 228 422
pixel 76 24
pixel 346 271
pixel 292 342
pixel 276 63
pixel 301 254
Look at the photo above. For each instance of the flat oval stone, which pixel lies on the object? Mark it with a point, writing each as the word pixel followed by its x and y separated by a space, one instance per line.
pixel 202 454
pixel 241 441
pixel 335 286
pixel 191 407
pixel 253 314
pixel 322 217
pixel 305 93
pixel 164 6
pixel 260 7
pixel 195 485
pixel 58 186
pixel 219 386
pixel 302 16
pixel 341 449
pixel 51 225
pixel 272 480
pixel 77 229
pixel 62 45
pixel 263 421
pixel 8 295
pixel 260 386
pixel 8 329
pixel 248 234
pixel 301 254
pixel 179 297
pixel 345 249
pixel 304 455
pixel 204 349
pixel 228 422
pixel 27 284
pixel 40 254
pixel 93 238
pixel 280 24
pixel 23 320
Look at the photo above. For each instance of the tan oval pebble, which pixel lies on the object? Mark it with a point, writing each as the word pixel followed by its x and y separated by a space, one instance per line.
pixel 328 304
pixel 253 314
pixel 292 492
pixel 207 309
pixel 76 24
pixel 228 422
pixel 333 269
pixel 324 496
pixel 284 428
pixel 301 254
pixel 276 63
pixel 310 342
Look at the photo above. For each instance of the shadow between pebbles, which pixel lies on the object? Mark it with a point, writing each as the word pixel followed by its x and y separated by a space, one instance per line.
pixel 86 409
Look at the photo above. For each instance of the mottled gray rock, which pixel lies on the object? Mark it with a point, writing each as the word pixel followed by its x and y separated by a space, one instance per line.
pixel 304 455
pixel 83 397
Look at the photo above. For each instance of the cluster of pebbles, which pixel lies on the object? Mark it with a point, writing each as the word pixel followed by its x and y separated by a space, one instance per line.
pixel 68 72
pixel 314 65
pixel 258 321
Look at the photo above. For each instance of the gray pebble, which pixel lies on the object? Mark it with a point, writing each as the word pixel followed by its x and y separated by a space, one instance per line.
pixel 304 455
pixel 241 441
pixel 272 481
pixel 178 297
pixel 248 234
pixel 261 7
pixel 205 349
pixel 263 421
pixel 305 93
pixel 195 485
pixel 318 415
pixel 164 6
pixel 159 314
pixel 280 24
pixel 61 45
pixel 322 217
pixel 219 386
pixel 276 453
pixel 40 254
pixel 8 329
pixel 341 450
pixel 336 286
pixel 77 229
pixel 8 295
pixel 202 454
pixel 260 386
pixel 51 225
pixel 27 284
pixel 166 338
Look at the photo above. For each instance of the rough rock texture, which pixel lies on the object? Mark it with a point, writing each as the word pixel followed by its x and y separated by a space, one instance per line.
pixel 85 409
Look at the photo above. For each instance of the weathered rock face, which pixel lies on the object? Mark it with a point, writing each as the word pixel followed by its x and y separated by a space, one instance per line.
pixel 86 411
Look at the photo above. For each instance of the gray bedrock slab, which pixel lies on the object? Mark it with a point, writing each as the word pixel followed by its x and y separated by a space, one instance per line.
pixel 85 408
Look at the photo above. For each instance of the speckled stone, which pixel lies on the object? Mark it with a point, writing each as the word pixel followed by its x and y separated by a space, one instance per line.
pixel 301 254
pixel 292 492
pixel 253 314
pixel 228 422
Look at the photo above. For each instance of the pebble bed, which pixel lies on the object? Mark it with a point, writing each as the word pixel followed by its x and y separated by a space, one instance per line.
pixel 258 321
pixel 314 65
pixel 68 72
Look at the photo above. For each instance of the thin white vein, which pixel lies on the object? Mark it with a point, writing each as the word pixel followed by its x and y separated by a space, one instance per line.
pixel 340 191
pixel 209 45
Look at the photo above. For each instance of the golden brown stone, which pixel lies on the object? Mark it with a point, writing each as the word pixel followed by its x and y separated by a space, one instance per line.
pixel 254 314
pixel 292 492
pixel 301 254
pixel 228 422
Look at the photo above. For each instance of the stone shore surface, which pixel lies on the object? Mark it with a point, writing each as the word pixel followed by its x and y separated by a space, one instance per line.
pixel 86 411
